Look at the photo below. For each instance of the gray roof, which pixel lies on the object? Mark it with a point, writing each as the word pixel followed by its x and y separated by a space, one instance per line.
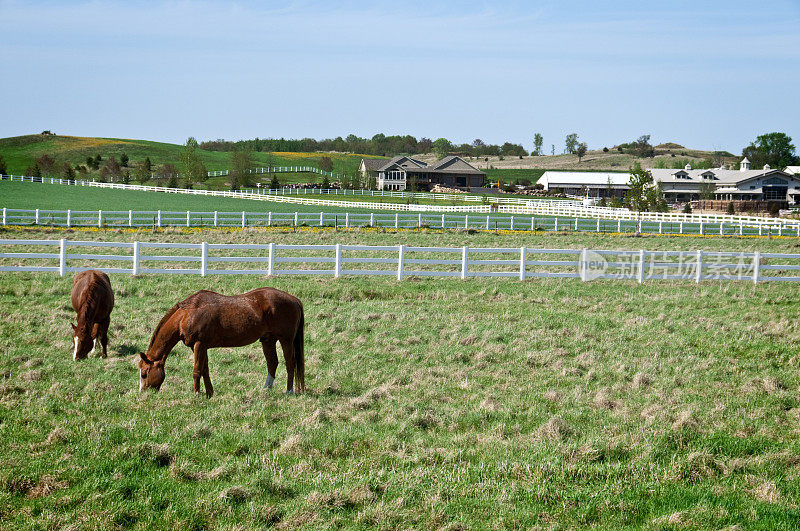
pixel 401 162
pixel 454 164
pixel 373 164
pixel 718 176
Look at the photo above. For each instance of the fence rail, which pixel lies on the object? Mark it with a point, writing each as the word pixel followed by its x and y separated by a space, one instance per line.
pixel 66 256
pixel 531 207
pixel 160 218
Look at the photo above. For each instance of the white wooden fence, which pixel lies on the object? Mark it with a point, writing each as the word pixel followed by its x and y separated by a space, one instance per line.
pixel 389 260
pixel 531 207
pixel 397 220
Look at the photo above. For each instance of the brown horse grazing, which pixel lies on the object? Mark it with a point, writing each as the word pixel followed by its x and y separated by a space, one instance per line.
pixel 209 320
pixel 93 300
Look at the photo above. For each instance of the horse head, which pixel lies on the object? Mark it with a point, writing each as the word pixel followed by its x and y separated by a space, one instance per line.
pixel 82 341
pixel 151 373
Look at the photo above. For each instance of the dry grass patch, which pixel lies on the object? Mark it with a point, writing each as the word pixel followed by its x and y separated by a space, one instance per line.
pixel 555 430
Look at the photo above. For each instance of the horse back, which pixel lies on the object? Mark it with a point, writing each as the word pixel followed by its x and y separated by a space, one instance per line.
pixel 92 289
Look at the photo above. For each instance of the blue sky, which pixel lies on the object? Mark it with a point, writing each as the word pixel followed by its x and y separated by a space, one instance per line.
pixel 711 75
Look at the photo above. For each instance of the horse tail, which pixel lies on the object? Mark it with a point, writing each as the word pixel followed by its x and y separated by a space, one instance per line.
pixel 299 355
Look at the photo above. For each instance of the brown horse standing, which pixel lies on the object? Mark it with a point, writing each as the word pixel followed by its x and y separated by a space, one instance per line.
pixel 93 300
pixel 209 320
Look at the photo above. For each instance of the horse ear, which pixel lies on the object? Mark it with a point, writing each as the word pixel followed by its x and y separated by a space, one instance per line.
pixel 74 328
pixel 144 358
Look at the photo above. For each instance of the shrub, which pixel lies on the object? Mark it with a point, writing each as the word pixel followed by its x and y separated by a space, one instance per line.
pixel 730 210
pixel 123 160
pixel 687 208
pixel 605 150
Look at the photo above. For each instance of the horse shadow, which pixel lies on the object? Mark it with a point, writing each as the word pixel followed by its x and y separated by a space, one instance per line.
pixel 127 350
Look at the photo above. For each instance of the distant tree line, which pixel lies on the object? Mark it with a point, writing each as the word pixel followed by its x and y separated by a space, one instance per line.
pixel 379 144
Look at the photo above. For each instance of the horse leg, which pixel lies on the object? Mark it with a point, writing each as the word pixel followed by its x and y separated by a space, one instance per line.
pixel 288 357
pixel 271 355
pixel 207 376
pixel 198 365
pixel 104 336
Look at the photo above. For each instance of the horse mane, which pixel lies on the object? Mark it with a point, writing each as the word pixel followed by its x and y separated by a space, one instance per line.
pixel 163 321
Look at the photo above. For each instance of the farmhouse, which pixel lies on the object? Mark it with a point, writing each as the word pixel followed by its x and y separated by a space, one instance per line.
pixel 400 172
pixel 687 184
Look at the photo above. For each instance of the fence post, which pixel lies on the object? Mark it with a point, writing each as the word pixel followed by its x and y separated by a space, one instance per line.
pixel 62 257
pixel 582 265
pixel 158 218
pixel 347 220
pixel 401 255
pixel 36 219
pixel 216 218
pixel 661 227
pixel 639 227
pixel 681 232
pixel 337 269
pixel 464 252
pixel 756 266
pixel 320 218
pixel 619 226
pixel 512 223
pixel 760 229
pixel 443 224
pixel 99 218
pixel 271 259
pixel 556 224
pixel 203 258
pixel 533 222
pixel 419 220
pixel 576 224
pixel 135 269
pixel 69 218
pixel 188 222
pixel 698 275
pixel 741 228
pixel 466 221
pixel 598 225
pixel 523 255
pixel 243 219
pixel 701 228
pixel 721 225
pixel 130 218
pixel 640 273
pixel 397 220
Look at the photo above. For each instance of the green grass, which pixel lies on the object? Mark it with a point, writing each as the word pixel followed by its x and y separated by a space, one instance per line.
pixel 20 152
pixel 62 197
pixel 432 403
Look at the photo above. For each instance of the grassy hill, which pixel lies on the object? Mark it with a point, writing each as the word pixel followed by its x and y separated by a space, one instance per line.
pixel 21 152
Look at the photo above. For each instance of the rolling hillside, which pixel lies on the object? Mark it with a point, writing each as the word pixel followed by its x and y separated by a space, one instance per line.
pixel 20 152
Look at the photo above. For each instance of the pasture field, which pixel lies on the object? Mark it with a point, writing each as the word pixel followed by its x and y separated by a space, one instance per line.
pixel 432 403
pixel 61 197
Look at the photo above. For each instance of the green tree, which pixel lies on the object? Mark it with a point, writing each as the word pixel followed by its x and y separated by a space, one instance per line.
pixel 3 167
pixel 148 166
pixel 687 208
pixel 326 183
pixel 441 147
pixel 775 149
pixel 571 143
pixel 641 195
pixel 242 164
pixel 141 173
pixel 274 183
pixel 730 210
pixel 642 147
pixel 538 140
pixel 580 150
pixel 194 170
pixel 123 160
pixel 706 190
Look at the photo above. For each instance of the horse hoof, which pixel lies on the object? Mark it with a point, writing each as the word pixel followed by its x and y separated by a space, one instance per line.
pixel 290 392
pixel 268 382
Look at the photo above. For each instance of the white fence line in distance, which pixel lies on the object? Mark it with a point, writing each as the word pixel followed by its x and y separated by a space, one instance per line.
pixel 518 206
pixel 159 218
